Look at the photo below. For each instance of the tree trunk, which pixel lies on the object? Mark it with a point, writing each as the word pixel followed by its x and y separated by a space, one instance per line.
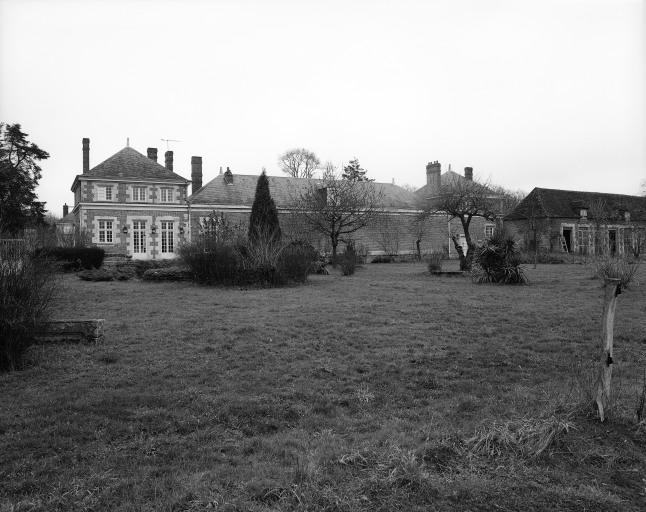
pixel 611 290
pixel 335 243
pixel 419 250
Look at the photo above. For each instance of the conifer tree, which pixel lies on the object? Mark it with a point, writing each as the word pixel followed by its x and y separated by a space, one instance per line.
pixel 263 223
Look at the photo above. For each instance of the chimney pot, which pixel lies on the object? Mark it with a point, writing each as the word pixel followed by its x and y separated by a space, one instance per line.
pixel 86 155
pixel 169 160
pixel 196 173
pixel 152 154
pixel 228 176
pixel 66 210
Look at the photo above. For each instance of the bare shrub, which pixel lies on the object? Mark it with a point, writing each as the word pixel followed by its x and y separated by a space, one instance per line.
pixel 616 267
pixel 434 261
pixel 26 287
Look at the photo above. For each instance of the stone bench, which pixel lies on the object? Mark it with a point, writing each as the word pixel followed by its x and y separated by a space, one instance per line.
pixel 78 331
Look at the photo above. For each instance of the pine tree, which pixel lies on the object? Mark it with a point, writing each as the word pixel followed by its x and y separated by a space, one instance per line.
pixel 354 172
pixel 263 222
pixel 19 175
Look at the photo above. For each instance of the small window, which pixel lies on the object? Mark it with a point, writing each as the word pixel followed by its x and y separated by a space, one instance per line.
pixel 584 213
pixel 489 230
pixel 105 231
pixel 166 195
pixel 139 194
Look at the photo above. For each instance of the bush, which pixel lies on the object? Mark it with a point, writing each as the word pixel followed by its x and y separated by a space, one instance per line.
pixel 434 261
pixel 348 260
pixel 296 261
pixel 382 259
pixel 211 261
pixel 497 261
pixel 26 287
pixel 75 258
pixel 167 274
pixel 101 274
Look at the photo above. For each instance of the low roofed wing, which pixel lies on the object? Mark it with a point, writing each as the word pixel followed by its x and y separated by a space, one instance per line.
pixel 129 163
pixel 554 203
pixel 284 191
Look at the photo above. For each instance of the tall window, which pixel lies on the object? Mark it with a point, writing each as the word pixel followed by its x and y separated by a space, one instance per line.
pixel 489 229
pixel 166 195
pixel 139 236
pixel 628 240
pixel 105 193
pixel 139 194
pixel 166 237
pixel 105 231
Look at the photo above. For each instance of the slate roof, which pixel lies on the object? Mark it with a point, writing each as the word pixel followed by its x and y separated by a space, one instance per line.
pixel 284 190
pixel 129 163
pixel 554 203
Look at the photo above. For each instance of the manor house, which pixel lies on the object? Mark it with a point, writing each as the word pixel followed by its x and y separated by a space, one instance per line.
pixel 130 204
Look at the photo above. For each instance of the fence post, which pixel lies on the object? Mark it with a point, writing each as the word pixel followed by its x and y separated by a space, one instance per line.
pixel 612 289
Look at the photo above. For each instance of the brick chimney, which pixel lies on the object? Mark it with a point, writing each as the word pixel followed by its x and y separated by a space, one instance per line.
pixel 468 173
pixel 169 160
pixel 86 155
pixel 228 177
pixel 152 154
pixel 66 210
pixel 433 173
pixel 196 173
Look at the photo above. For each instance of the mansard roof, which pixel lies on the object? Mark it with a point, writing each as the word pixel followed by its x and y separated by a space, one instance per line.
pixel 130 164
pixel 284 191
pixel 555 203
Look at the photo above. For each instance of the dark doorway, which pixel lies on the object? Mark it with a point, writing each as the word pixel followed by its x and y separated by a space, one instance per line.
pixel 567 235
pixel 612 241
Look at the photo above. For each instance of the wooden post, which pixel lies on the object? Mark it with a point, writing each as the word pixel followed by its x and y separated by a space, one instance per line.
pixel 612 289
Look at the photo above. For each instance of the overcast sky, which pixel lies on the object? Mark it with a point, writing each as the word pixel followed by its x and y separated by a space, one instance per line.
pixel 529 93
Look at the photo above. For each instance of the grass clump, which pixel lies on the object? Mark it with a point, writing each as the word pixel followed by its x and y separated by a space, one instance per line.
pixel 526 437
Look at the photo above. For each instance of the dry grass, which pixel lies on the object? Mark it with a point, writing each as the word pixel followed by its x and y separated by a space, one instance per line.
pixel 349 393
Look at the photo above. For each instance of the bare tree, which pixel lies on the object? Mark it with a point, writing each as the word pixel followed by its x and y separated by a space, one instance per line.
pixel 465 199
pixel 600 216
pixel 299 163
pixel 388 234
pixel 337 208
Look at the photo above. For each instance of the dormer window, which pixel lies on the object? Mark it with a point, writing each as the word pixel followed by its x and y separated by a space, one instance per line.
pixel 584 213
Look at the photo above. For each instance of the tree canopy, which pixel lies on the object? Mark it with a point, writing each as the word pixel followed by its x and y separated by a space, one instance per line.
pixel 299 163
pixel 263 222
pixel 19 176
pixel 354 172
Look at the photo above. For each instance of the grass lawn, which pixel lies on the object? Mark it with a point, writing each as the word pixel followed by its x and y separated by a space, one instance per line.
pixel 348 393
